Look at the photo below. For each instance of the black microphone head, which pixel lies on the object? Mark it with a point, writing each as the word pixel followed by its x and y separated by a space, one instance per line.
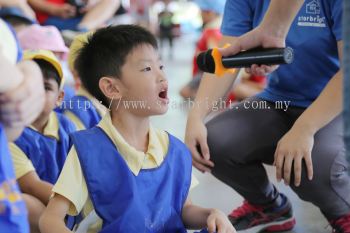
pixel 205 62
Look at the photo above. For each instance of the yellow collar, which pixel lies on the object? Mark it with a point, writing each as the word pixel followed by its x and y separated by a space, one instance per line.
pixel 135 159
pixel 83 92
pixel 51 128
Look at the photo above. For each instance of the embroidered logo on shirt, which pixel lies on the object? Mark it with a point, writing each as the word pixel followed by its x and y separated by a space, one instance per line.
pixel 313 7
pixel 313 17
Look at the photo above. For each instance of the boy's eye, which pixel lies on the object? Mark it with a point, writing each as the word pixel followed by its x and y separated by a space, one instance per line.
pixel 161 67
pixel 48 88
pixel 146 69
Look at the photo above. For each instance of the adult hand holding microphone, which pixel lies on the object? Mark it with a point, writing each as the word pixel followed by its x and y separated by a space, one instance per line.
pixel 271 33
pixel 211 61
pixel 245 45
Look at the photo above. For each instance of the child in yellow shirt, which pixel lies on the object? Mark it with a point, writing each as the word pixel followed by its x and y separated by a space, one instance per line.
pixel 82 109
pixel 39 153
pixel 135 177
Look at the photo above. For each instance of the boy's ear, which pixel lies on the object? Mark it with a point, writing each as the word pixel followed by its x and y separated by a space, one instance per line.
pixel 110 87
pixel 60 98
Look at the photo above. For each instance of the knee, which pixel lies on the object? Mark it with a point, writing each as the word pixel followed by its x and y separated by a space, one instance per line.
pixel 330 175
pixel 226 143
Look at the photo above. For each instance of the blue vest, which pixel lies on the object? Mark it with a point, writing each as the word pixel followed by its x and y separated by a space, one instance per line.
pixel 13 213
pixel 150 202
pixel 47 154
pixel 84 109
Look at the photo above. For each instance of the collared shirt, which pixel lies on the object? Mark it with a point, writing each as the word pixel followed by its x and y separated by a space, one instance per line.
pixel 71 183
pixel 21 162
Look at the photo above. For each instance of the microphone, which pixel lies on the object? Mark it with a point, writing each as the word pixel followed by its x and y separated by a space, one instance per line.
pixel 259 56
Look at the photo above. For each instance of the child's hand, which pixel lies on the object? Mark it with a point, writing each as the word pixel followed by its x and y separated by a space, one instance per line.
pixel 219 223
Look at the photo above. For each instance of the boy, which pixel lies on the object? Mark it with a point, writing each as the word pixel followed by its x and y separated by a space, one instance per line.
pixel 134 176
pixel 82 109
pixel 39 153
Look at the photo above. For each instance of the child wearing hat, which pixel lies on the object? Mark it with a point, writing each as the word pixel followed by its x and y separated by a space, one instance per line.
pixel 39 153
pixel 83 109
pixel 45 38
pixel 211 13
pixel 134 176
pixel 49 38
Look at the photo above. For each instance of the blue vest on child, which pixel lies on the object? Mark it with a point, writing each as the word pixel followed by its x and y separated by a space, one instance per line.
pixel 13 213
pixel 84 109
pixel 47 154
pixel 150 202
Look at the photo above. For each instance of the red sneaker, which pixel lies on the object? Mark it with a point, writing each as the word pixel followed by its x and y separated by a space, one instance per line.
pixel 252 218
pixel 341 225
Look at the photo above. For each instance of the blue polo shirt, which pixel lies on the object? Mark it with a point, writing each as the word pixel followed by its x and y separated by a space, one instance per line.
pixel 313 36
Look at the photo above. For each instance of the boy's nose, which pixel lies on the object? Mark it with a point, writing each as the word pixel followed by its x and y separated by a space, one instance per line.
pixel 161 77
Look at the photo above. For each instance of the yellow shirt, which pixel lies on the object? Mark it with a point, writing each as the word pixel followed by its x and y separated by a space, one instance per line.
pixel 71 183
pixel 21 163
pixel 99 107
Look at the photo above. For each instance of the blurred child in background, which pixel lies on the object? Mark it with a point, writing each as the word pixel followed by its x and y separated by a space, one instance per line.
pixel 49 38
pixel 211 13
pixel 40 152
pixel 83 109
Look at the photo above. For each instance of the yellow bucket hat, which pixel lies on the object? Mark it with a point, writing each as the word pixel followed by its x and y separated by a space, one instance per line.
pixel 48 56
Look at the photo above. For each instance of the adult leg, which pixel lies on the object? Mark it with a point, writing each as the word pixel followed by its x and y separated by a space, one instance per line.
pixel 240 140
pixel 346 61
pixel 330 187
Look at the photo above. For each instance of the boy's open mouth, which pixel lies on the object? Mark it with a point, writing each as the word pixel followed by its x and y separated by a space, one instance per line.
pixel 163 94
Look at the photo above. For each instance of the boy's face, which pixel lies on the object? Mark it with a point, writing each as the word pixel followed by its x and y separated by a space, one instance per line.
pixel 143 83
pixel 53 96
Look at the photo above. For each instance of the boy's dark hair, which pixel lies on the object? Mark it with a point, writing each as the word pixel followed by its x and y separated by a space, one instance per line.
pixel 105 52
pixel 48 71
